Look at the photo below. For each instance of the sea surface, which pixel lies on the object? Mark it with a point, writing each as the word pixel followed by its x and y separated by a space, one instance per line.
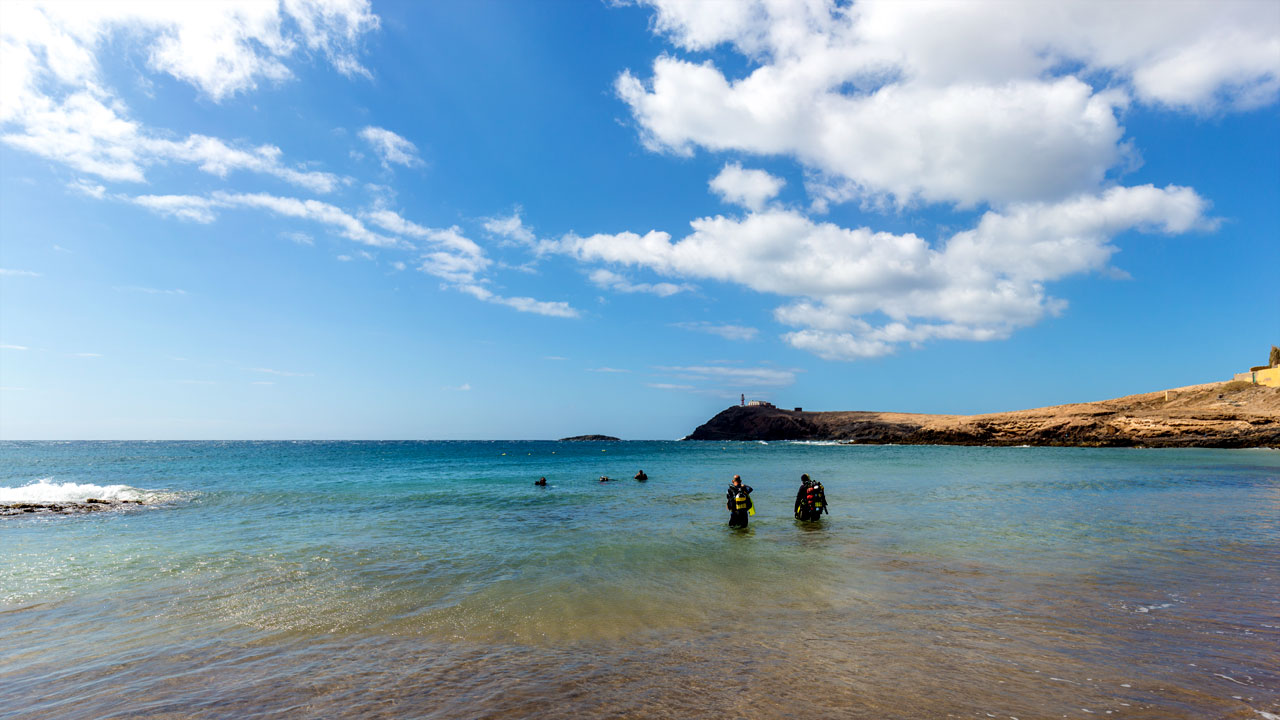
pixel 434 580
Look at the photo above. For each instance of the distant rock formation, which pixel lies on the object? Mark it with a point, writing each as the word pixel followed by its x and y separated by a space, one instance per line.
pixel 1212 415
pixel 590 438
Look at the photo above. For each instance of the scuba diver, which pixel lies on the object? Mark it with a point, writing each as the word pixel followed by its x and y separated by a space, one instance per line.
pixel 811 500
pixel 641 476
pixel 738 502
pixel 541 482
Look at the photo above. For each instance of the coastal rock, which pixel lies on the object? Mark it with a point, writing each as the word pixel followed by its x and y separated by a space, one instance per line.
pixel 590 438
pixel 1209 415
pixel 65 507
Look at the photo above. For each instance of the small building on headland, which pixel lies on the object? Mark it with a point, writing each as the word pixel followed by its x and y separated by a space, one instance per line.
pixel 1261 375
pixel 759 403
pixel 1268 374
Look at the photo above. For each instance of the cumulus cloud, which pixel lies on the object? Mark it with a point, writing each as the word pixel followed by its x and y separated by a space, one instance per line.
pixel 54 102
pixel 749 188
pixel 511 228
pixel 922 101
pixel 613 281
pixel 390 147
pixel 978 284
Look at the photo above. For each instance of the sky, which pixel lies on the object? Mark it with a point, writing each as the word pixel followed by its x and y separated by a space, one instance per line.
pixel 336 219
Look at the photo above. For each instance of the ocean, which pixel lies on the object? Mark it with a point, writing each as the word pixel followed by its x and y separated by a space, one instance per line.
pixel 434 580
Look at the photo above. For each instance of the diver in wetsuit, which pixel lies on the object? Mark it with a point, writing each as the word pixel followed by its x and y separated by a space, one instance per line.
pixel 738 502
pixel 811 500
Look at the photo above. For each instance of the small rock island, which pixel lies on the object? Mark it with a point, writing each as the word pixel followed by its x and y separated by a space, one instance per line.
pixel 590 438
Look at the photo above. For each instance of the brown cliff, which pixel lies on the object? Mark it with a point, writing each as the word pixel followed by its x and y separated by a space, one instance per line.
pixel 1225 415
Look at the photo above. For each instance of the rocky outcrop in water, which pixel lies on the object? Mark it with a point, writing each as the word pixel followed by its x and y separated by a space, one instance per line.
pixel 1218 415
pixel 590 438
pixel 65 508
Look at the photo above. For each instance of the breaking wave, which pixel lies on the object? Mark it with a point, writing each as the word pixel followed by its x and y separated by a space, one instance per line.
pixel 45 493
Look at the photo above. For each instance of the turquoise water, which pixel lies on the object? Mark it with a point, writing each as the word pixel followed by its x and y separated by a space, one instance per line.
pixel 425 579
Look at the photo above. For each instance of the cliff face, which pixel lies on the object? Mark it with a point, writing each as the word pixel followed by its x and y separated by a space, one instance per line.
pixel 1195 416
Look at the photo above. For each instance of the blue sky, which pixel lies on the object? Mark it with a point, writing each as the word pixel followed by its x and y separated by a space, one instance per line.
pixel 336 219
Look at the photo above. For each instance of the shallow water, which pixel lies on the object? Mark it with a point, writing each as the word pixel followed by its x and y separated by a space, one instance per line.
pixel 373 580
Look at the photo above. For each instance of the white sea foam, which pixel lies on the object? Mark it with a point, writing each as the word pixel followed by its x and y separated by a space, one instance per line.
pixel 46 492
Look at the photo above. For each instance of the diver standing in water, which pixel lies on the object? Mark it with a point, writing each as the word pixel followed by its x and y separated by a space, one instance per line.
pixel 811 500
pixel 738 502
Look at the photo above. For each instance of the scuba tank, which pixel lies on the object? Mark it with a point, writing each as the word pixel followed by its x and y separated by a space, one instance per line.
pixel 741 502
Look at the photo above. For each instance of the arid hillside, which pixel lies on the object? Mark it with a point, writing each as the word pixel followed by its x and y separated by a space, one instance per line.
pixel 1226 415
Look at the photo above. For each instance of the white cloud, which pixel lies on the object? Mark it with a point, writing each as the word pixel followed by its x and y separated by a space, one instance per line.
pixel 55 104
pixel 14 347
pixel 613 281
pixel 607 370
pixel 522 304
pixel 390 147
pixel 201 209
pixel 925 101
pixel 299 238
pixel 7 272
pixel 464 387
pixel 979 284
pixel 728 332
pixel 512 228
pixel 747 377
pixel 281 373
pixel 150 291
pixel 220 48
pixel 669 386
pixel 183 207
pixel 345 224
pixel 88 189
pixel 749 188
pixel 86 355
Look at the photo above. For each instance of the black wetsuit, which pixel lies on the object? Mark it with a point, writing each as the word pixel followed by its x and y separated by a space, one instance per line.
pixel 737 518
pixel 811 502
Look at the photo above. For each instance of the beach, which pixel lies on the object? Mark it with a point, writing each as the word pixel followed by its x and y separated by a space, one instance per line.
pixel 382 580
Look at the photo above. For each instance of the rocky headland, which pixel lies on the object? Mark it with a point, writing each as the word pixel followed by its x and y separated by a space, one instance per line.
pixel 1220 415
